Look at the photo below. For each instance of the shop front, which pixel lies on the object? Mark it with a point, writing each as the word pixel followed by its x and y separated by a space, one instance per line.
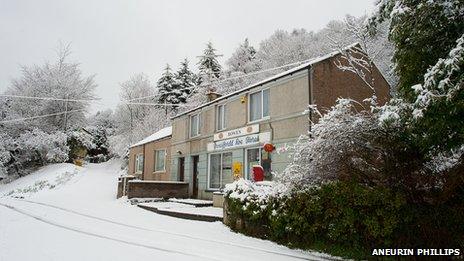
pixel 234 153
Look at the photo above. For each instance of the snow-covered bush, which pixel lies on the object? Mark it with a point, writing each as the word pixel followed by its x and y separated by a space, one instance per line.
pixel 254 196
pixel 44 147
pixel 6 145
pixel 83 138
pixel 337 142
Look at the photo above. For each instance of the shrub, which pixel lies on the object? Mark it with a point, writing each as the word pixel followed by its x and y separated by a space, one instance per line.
pixel 345 218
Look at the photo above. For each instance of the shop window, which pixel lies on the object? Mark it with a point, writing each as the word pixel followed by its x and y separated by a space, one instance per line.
pixel 220 170
pixel 138 163
pixel 220 117
pixel 195 125
pixel 259 105
pixel 160 160
pixel 257 156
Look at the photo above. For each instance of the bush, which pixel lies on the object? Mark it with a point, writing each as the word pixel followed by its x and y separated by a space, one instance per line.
pixel 345 218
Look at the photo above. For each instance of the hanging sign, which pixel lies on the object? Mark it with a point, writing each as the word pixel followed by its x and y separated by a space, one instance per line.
pixel 247 130
pixel 268 147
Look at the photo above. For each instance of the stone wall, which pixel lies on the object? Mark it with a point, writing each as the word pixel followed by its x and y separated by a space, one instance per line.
pixel 157 189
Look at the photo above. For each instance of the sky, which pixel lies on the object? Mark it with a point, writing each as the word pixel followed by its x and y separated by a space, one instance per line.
pixel 115 39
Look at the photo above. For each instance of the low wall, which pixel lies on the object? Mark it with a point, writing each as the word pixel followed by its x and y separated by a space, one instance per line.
pixel 157 189
pixel 122 185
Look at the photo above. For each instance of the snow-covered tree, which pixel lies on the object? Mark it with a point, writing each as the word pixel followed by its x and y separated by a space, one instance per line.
pixel 169 90
pixel 418 45
pixel 209 67
pixel 185 81
pixel 138 89
pixel 61 79
pixel 243 59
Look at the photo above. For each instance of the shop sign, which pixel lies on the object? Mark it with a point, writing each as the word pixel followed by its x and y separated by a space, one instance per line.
pixel 236 132
pixel 236 142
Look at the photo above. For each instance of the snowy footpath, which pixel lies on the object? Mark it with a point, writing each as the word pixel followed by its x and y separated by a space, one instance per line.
pixel 65 212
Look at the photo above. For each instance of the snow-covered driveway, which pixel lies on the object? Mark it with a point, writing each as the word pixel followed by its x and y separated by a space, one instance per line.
pixel 70 213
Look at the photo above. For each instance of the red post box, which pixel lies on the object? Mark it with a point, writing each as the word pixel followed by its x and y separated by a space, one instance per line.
pixel 258 173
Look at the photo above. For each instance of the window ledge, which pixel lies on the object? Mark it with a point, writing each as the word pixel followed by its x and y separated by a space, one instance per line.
pixel 260 120
pixel 212 190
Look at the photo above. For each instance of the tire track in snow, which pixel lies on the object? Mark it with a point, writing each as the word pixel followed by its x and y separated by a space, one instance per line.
pixel 102 236
pixel 176 234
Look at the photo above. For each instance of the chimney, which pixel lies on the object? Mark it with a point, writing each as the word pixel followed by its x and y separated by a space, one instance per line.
pixel 212 95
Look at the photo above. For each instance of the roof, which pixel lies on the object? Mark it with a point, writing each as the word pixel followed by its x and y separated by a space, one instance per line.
pixel 270 79
pixel 163 133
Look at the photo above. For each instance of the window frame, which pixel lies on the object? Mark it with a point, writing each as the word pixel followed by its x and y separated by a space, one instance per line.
pixel 223 117
pixel 247 174
pixel 220 175
pixel 198 125
pixel 137 162
pixel 156 161
pixel 262 105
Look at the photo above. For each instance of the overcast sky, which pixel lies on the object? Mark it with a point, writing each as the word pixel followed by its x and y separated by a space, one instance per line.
pixel 117 38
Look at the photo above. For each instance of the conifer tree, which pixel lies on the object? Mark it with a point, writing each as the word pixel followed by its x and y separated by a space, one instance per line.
pixel 168 93
pixel 185 81
pixel 422 31
pixel 209 67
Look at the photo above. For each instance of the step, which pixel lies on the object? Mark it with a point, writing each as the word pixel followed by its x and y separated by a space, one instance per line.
pixel 193 202
pixel 208 214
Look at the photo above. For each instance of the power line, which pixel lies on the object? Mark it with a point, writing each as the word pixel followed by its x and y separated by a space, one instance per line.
pixel 129 102
pixel 157 104
pixel 232 78
pixel 39 116
pixel 46 98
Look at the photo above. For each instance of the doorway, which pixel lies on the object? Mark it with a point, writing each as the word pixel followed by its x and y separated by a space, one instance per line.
pixel 195 161
pixel 181 170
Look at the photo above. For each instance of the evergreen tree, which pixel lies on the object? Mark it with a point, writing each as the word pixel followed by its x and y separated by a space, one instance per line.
pixel 209 66
pixel 243 59
pixel 423 31
pixel 185 81
pixel 167 88
pixel 429 58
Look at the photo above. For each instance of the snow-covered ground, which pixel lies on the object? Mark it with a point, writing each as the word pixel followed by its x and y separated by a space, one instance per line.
pixel 70 213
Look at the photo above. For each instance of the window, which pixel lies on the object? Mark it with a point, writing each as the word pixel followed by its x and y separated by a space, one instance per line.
pixel 220 170
pixel 259 105
pixel 258 156
pixel 138 163
pixel 160 160
pixel 195 125
pixel 220 117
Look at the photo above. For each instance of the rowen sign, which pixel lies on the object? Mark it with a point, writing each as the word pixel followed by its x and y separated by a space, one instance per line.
pixel 252 129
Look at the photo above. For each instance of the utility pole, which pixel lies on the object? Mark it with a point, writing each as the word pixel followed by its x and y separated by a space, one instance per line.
pixel 66 114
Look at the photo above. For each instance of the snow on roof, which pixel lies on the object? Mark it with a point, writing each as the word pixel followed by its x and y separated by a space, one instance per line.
pixel 163 133
pixel 272 78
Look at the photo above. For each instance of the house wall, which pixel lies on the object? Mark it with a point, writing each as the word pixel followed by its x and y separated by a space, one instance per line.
pixel 148 150
pixel 329 83
pixel 132 153
pixel 289 98
pixel 149 172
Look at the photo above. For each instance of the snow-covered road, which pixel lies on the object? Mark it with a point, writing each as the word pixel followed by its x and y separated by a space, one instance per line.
pixel 70 213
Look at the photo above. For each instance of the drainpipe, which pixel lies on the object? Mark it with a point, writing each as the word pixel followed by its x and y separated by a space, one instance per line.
pixel 144 159
pixel 310 96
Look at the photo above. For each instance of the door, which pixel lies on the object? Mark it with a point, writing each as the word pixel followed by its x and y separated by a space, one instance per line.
pixel 195 160
pixel 181 169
